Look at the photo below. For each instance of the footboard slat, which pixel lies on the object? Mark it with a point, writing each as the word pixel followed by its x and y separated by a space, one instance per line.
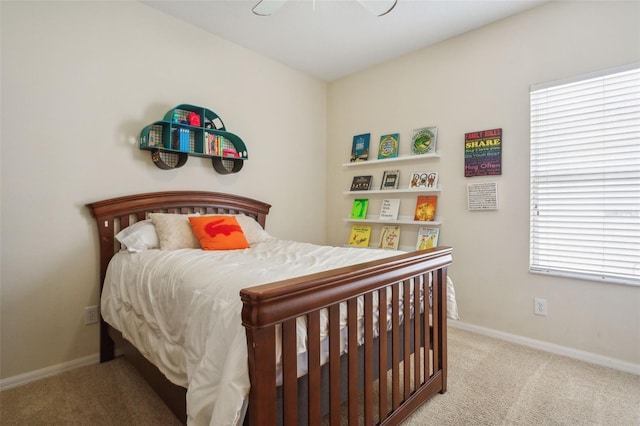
pixel 395 357
pixel 383 404
pixel 313 361
pixel 417 331
pixel 406 337
pixel 368 359
pixel 426 326
pixel 385 345
pixel 334 364
pixel 352 333
pixel 435 312
pixel 289 368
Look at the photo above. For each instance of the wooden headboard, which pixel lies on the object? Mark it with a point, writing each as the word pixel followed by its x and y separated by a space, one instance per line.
pixel 115 214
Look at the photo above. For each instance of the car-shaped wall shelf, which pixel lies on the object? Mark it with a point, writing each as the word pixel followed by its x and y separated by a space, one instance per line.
pixel 191 130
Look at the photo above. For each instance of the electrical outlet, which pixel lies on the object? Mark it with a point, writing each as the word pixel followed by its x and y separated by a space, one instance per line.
pixel 90 315
pixel 540 306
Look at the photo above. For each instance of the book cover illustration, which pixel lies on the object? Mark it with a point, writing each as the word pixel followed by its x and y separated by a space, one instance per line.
pixel 390 179
pixel 426 208
pixel 389 238
pixel 423 140
pixel 389 209
pixel 361 183
pixel 360 235
pixel 424 180
pixel 427 237
pixel 389 145
pixel 359 208
pixel 360 147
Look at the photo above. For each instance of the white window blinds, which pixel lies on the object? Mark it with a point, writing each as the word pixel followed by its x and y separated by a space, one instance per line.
pixel 585 177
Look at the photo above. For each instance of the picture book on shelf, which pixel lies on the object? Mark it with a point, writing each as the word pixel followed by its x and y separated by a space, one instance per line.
pixel 389 209
pixel 360 235
pixel 427 237
pixel 423 140
pixel 361 183
pixel 359 208
pixel 389 145
pixel 426 208
pixel 390 179
pixel 424 180
pixel 389 237
pixel 360 147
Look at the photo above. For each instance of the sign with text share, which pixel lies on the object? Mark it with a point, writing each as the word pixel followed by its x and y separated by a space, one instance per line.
pixel 483 153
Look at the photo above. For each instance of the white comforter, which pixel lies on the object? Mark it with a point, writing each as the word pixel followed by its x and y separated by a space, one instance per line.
pixel 182 310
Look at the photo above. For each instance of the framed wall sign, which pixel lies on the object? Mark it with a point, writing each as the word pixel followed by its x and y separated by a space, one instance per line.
pixel 483 153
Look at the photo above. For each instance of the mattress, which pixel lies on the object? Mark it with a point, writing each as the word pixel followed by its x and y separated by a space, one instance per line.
pixel 182 310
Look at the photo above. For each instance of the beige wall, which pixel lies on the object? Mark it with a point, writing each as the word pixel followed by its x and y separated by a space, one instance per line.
pixel 79 82
pixel 76 90
pixel 480 81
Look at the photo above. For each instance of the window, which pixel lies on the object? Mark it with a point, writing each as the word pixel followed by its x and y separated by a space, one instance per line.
pixel 585 177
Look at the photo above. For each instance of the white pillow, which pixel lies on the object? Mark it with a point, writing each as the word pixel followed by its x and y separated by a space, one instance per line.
pixel 253 231
pixel 139 236
pixel 174 231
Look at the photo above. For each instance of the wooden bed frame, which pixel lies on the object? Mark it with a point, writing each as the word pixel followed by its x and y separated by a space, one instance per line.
pixel 369 383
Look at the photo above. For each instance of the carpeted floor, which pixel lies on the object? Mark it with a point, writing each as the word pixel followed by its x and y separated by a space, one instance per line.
pixel 491 382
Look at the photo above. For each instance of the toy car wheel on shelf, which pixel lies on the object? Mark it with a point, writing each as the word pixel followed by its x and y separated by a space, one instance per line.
pixel 225 166
pixel 169 160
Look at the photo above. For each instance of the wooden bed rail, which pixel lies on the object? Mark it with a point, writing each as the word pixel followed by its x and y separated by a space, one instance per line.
pixel 415 341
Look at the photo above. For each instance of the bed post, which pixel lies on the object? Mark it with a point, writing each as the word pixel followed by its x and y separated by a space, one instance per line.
pixel 441 282
pixel 262 395
pixel 106 233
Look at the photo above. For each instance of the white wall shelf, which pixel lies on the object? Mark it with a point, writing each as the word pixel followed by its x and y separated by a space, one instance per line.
pixel 402 220
pixel 392 160
pixel 394 191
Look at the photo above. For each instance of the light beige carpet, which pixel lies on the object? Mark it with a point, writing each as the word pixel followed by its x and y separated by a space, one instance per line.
pixel 106 394
pixel 491 382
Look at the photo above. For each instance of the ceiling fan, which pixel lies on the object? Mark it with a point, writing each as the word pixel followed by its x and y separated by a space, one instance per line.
pixel 377 7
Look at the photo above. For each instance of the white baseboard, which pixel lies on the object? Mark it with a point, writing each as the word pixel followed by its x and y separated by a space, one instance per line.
pixel 32 376
pixel 627 367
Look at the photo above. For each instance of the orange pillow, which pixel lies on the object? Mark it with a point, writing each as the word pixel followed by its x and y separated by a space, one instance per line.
pixel 218 232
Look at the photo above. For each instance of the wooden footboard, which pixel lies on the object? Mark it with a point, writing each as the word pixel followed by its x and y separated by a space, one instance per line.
pixel 377 295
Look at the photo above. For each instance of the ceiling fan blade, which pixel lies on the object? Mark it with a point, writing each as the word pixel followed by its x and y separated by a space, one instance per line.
pixel 378 7
pixel 268 7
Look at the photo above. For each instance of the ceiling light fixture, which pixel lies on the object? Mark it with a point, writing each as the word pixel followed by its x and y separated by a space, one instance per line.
pixel 377 7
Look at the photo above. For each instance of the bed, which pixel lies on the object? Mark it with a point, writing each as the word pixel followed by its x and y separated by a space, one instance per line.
pixel 359 338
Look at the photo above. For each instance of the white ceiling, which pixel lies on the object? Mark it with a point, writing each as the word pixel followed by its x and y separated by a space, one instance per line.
pixel 330 39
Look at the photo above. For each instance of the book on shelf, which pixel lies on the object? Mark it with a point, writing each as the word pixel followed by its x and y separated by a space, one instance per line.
pixel 389 145
pixel 361 183
pixel 389 237
pixel 360 147
pixel 389 209
pixel 390 179
pixel 424 140
pixel 360 236
pixel 359 208
pixel 426 208
pixel 424 180
pixel 427 237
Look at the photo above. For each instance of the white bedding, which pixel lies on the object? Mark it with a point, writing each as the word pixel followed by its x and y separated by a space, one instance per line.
pixel 187 320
